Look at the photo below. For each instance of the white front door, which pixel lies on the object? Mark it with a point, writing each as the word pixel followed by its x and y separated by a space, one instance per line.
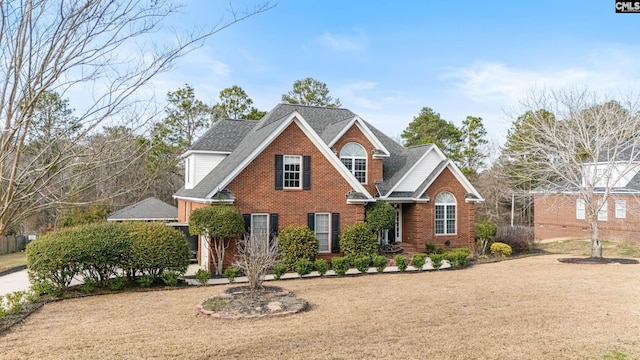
pixel 398 227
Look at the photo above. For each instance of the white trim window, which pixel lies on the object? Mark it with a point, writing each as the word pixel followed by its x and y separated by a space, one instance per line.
pixel 603 213
pixel 354 157
pixel 621 209
pixel 292 169
pixel 322 229
pixel 398 228
pixel 260 225
pixel 445 214
pixel 580 209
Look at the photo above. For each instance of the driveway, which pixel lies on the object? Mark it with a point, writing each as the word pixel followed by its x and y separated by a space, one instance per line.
pixel 16 281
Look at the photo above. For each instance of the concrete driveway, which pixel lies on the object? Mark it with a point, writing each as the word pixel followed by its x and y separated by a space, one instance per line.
pixel 16 281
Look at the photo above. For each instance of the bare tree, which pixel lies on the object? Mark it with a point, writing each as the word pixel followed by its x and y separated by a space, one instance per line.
pixel 586 149
pixel 255 256
pixel 99 48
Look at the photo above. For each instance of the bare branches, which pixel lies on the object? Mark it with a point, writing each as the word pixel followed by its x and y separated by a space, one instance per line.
pixel 255 256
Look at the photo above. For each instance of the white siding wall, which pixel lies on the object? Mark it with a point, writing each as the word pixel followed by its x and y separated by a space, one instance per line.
pixel 420 172
pixel 197 166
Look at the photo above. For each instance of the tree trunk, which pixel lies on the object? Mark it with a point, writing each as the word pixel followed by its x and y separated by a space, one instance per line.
pixel 596 245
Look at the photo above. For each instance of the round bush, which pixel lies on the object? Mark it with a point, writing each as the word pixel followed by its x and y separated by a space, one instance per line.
pixel 380 262
pixel 156 248
pixel 279 269
pixel 340 265
pixel 500 249
pixel 303 267
pixel 362 263
pixel 321 266
pixel 401 262
pixel 358 241
pixel 295 243
pixel 418 260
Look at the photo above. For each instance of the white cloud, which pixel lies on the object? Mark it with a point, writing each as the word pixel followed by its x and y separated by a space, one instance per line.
pixel 355 42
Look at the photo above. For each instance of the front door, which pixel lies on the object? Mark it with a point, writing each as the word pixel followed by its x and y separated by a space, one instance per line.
pixel 204 253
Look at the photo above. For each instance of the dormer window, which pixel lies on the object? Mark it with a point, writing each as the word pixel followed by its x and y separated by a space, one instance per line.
pixel 354 157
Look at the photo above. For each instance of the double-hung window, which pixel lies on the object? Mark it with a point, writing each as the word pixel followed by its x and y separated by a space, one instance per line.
pixel 603 214
pixel 292 171
pixel 445 214
pixel 323 232
pixel 260 226
pixel 621 209
pixel 580 208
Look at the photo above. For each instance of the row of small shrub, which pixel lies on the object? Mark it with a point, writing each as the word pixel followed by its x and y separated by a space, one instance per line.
pixel 12 303
pixel 107 254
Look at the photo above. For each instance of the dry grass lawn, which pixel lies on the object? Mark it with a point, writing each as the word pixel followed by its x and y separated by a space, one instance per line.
pixel 530 308
pixel 7 261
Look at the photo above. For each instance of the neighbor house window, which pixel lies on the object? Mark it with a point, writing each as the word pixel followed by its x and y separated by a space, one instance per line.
pixel 580 209
pixel 354 157
pixel 445 214
pixel 323 232
pixel 292 171
pixel 621 209
pixel 602 213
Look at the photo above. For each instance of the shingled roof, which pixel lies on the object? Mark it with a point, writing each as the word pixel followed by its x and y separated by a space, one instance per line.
pixel 241 137
pixel 149 209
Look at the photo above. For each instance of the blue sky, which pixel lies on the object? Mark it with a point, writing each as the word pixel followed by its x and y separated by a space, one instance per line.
pixel 386 60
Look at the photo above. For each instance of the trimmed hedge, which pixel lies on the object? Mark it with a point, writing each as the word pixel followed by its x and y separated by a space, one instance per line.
pixel 500 249
pixel 295 243
pixel 358 241
pixel 101 251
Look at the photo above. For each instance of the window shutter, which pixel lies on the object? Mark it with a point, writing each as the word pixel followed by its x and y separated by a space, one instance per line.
pixel 247 223
pixel 311 221
pixel 279 171
pixel 306 173
pixel 273 228
pixel 335 232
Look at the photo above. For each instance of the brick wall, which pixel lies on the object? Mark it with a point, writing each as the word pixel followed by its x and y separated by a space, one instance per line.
pixel 555 217
pixel 374 166
pixel 419 219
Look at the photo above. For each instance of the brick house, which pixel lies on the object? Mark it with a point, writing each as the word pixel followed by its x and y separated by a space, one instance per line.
pixel 320 167
pixel 562 214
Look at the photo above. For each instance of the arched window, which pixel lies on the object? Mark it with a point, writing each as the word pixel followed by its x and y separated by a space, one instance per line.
pixel 354 158
pixel 445 214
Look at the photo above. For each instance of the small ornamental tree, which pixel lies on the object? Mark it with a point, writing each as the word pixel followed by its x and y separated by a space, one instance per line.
pixel 255 257
pixel 380 216
pixel 216 224
pixel 357 241
pixel 297 242
pixel 485 231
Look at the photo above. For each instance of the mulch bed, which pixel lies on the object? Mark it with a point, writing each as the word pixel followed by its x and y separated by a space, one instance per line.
pixel 240 302
pixel 592 260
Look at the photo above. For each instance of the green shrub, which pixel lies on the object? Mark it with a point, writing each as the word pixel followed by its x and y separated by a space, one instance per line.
pixel 171 278
pixel 89 285
pixel 401 262
pixel 362 263
pixel 436 260
pixel 418 260
pixel 429 248
pixel 500 249
pixel 14 302
pixel 202 276
pixel 53 261
pixel 145 281
pixel 321 266
pixel 340 265
pixel 440 250
pixel 457 257
pixel 231 273
pixel 303 267
pixel 279 269
pixel 380 216
pixel 3 311
pixel 41 288
pixel 485 232
pixel 380 262
pixel 118 283
pixel 297 242
pixel 358 241
pixel 156 248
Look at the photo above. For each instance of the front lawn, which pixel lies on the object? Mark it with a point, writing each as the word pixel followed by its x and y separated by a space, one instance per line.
pixel 8 261
pixel 529 308
pixel 582 247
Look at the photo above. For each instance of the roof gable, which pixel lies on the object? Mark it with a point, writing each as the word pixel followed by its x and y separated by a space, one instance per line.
pixel 148 209
pixel 357 121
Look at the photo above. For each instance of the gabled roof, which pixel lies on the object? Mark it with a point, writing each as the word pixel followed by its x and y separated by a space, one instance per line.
pixel 149 209
pixel 323 126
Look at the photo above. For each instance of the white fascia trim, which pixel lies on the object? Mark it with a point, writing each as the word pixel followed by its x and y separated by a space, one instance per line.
pixel 360 201
pixel 189 152
pixel 204 201
pixel 408 173
pixel 367 133
pixel 315 139
pixel 460 177
pixel 144 219
pixel 403 200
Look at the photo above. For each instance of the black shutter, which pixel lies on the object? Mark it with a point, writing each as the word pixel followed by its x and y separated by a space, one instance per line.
pixel 279 171
pixel 306 172
pixel 335 232
pixel 311 221
pixel 247 223
pixel 273 227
